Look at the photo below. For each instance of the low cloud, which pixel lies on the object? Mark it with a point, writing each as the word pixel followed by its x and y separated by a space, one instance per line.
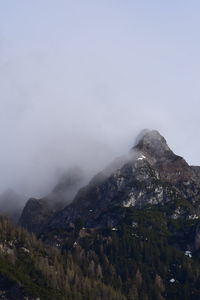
pixel 80 95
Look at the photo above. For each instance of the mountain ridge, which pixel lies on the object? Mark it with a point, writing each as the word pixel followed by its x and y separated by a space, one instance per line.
pixel 150 174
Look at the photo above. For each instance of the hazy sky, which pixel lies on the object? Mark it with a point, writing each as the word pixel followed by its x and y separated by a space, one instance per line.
pixel 80 79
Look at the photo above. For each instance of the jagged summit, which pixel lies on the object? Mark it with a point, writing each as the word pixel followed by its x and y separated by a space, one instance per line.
pixel 170 167
pixel 152 143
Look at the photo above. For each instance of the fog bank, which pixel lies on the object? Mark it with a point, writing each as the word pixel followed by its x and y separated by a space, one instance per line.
pixel 79 81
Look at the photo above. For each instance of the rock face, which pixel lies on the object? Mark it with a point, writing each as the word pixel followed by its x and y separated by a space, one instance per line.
pixel 196 169
pixel 37 212
pixel 150 175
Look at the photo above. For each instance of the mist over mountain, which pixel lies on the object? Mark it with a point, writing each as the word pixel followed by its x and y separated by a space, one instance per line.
pixel 37 212
pixel 151 174
pixel 11 204
pixel 78 85
pixel 92 205
pixel 134 226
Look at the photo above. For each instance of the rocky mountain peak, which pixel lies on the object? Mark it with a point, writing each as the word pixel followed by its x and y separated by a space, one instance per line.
pixel 170 167
pixel 153 175
pixel 153 143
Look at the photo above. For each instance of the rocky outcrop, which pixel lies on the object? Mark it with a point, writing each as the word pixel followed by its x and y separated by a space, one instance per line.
pixel 196 169
pixel 36 214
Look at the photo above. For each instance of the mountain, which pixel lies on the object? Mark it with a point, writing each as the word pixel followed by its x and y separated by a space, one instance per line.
pixel 37 212
pixel 135 227
pixel 150 175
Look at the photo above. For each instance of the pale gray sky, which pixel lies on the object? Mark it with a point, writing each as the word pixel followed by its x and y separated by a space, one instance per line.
pixel 80 79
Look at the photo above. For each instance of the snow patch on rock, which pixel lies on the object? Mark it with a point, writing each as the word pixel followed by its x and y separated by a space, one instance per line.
pixel 141 157
pixel 188 253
